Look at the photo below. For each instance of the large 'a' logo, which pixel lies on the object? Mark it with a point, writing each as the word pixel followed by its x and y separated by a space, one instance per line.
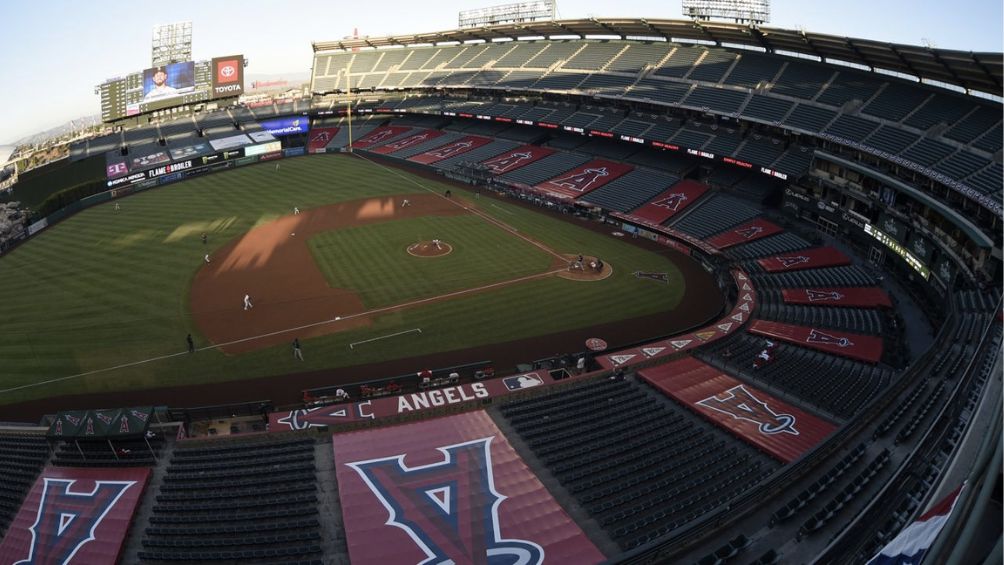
pixel 378 136
pixel 452 149
pixel 750 232
pixel 67 519
pixel 506 162
pixel 793 260
pixel 407 141
pixel 822 295
pixel 671 202
pixel 742 405
pixel 321 137
pixel 816 336
pixel 449 509
pixel 580 181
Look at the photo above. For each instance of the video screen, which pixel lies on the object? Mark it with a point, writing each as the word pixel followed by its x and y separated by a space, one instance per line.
pixel 168 81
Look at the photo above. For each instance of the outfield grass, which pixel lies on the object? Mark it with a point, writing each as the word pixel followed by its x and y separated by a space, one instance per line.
pixel 106 288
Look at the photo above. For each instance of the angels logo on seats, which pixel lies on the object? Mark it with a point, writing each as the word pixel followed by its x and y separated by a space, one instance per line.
pixel 822 295
pixel 503 163
pixel 794 260
pixel 652 351
pixel 580 181
pixel 749 232
pixel 816 336
pixel 407 141
pixel 450 508
pixel 320 137
pixel 378 136
pixel 445 152
pixel 741 404
pixel 671 202
pixel 296 419
pixel 67 518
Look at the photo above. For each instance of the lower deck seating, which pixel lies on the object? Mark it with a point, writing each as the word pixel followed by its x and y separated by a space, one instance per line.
pixel 639 464
pixel 23 455
pixel 252 502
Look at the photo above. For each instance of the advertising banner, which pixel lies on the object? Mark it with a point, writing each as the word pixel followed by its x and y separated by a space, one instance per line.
pixel 227 76
pixel 239 140
pixel 262 148
pixel 261 136
pixel 286 126
pixel 116 170
pixel 189 151
pixel 294 151
pixel 169 168
pixel 147 161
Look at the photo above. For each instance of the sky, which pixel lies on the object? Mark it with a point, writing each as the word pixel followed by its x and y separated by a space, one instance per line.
pixel 54 52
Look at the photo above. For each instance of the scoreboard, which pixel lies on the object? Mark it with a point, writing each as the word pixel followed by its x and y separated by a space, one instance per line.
pixel 178 84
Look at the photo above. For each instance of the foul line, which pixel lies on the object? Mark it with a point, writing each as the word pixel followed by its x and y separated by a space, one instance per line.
pixel 287 330
pixel 355 343
pixel 474 211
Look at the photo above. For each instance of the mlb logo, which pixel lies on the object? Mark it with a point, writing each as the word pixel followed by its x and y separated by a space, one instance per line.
pixel 522 381
pixel 116 169
pixel 226 71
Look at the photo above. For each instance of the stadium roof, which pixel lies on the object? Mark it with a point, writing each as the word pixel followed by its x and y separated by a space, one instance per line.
pixel 971 71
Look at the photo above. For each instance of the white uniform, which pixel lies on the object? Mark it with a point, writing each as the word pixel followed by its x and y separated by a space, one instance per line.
pixel 296 210
pixel 207 257
pixel 247 302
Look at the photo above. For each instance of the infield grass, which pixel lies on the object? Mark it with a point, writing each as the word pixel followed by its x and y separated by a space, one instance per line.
pixel 109 287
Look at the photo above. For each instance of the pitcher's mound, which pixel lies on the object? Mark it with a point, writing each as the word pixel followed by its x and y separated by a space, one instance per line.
pixel 590 269
pixel 430 249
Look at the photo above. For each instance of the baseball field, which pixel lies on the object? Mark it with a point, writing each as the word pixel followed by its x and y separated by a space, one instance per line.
pixel 101 304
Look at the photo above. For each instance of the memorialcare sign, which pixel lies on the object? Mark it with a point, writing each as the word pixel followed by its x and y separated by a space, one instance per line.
pixel 768 423
pixel 449 490
pixel 75 516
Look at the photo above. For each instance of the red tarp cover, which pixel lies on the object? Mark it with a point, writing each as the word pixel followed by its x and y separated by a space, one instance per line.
pixel 731 323
pixel 838 342
pixel 667 204
pixel 775 426
pixel 584 178
pixel 66 508
pixel 745 233
pixel 319 138
pixel 516 158
pixel 814 258
pixel 379 135
pixel 870 297
pixel 458 147
pixel 420 137
pixel 449 490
